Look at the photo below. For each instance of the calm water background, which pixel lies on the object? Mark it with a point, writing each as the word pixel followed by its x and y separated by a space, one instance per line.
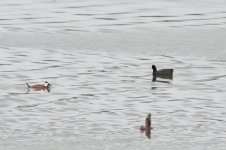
pixel 98 56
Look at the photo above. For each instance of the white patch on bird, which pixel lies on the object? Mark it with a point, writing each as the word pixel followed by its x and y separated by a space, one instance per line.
pixel 46 84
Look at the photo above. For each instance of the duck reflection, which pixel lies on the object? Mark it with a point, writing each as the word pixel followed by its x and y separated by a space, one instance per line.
pixel 154 79
pixel 44 90
pixel 147 127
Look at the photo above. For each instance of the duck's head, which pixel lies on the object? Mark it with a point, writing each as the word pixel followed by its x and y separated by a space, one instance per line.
pixel 46 84
pixel 149 115
pixel 154 68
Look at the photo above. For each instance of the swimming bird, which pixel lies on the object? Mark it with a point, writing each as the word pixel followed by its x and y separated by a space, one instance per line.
pixel 164 73
pixel 38 87
pixel 147 127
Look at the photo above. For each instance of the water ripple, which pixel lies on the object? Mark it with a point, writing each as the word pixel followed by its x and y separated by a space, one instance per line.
pixel 107 16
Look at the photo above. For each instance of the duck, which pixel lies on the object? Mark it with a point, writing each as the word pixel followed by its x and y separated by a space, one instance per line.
pixel 163 73
pixel 147 127
pixel 38 87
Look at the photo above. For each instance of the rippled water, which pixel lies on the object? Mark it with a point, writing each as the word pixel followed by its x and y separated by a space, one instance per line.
pixel 102 86
pixel 109 15
pixel 102 98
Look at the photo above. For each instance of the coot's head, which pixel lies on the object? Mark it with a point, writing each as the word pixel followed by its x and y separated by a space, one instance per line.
pixel 154 68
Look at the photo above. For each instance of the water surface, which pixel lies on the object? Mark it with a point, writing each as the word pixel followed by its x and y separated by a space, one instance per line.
pixel 109 15
pixel 98 56
pixel 103 98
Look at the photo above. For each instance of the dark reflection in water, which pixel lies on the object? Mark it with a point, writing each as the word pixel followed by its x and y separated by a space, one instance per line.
pixel 154 79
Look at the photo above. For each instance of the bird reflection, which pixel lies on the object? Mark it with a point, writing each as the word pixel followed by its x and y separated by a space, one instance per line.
pixel 147 127
pixel 154 79
pixel 39 89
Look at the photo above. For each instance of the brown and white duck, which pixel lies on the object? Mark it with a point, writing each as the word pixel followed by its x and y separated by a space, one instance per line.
pixel 39 87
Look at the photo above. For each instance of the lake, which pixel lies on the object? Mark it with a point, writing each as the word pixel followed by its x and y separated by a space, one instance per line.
pixel 98 56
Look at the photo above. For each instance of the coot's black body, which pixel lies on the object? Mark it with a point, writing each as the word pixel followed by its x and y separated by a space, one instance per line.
pixel 163 73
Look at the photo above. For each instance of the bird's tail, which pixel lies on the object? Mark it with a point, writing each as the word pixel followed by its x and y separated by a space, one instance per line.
pixel 28 85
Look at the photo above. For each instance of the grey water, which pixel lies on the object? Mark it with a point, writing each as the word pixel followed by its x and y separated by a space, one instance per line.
pixel 109 15
pixel 98 56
